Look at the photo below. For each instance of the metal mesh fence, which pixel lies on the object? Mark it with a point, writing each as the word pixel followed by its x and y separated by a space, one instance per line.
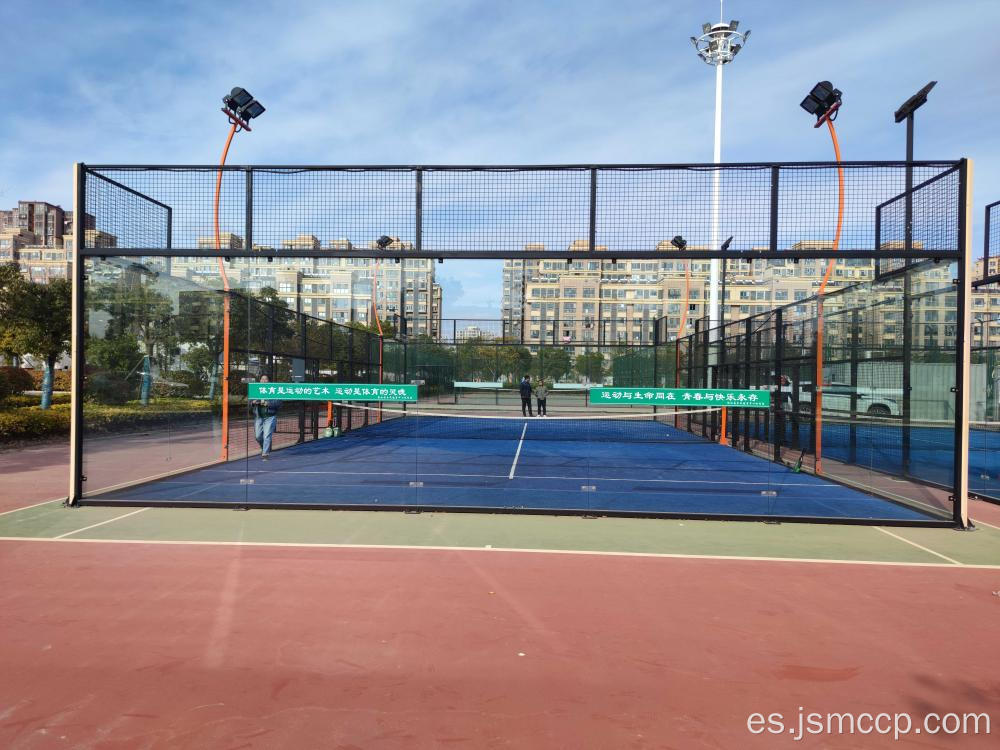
pixel 990 271
pixel 502 211
pixel 925 218
pixel 863 378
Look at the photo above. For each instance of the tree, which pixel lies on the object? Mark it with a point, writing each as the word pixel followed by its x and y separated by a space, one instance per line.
pixel 552 363
pixel 590 366
pixel 36 320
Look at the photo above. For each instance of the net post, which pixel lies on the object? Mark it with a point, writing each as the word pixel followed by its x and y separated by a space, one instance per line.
pixel 779 353
pixel 963 351
pixel 722 432
pixel 853 429
pixel 77 340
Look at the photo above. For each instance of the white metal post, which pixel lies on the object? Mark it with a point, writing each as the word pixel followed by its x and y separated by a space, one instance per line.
pixel 713 282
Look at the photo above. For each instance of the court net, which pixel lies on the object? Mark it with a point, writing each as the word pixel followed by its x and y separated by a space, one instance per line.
pixel 645 427
pixel 497 395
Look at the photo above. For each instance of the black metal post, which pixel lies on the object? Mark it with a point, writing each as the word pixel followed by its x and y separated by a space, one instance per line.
pixel 961 452
pixel 853 430
pixel 593 209
pixel 907 303
pixel 776 405
pixel 773 234
pixel 418 240
pixel 748 340
pixel 248 211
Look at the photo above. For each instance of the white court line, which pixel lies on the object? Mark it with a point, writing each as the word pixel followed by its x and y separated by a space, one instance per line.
pixel 513 466
pixel 595 553
pixel 95 525
pixel 501 476
pixel 26 507
pixel 918 546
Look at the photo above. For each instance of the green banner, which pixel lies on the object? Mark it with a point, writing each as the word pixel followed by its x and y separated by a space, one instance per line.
pixel 331 392
pixel 681 397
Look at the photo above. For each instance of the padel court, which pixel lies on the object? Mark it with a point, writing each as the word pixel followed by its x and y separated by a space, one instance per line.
pixel 622 465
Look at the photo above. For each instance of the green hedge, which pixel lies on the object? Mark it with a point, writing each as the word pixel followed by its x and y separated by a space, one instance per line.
pixel 16 402
pixel 62 380
pixel 14 381
pixel 29 422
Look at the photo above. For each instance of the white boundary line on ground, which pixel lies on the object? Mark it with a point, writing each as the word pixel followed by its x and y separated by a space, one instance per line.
pixel 513 466
pixel 95 525
pixel 36 505
pixel 523 476
pixel 918 546
pixel 596 553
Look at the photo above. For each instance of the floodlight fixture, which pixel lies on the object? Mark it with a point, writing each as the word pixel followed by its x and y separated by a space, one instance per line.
pixel 823 101
pixel 383 242
pixel 240 107
pixel 252 110
pixel 726 244
pixel 237 98
pixel 914 102
pixel 679 242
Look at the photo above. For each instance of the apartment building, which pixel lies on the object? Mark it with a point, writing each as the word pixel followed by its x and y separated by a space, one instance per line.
pixel 337 287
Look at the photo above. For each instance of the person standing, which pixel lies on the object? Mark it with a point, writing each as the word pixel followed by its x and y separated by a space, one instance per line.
pixel 265 419
pixel 525 389
pixel 541 394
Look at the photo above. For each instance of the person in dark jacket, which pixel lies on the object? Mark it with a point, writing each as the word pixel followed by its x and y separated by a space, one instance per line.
pixel 265 419
pixel 525 389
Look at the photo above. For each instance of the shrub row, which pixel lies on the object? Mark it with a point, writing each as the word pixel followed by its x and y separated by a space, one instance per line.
pixel 14 381
pixel 62 380
pixel 32 422
pixel 16 402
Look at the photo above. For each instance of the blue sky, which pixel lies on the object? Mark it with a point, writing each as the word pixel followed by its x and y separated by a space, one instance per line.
pixel 381 82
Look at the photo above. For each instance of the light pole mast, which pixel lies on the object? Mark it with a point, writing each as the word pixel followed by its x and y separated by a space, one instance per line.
pixel 718 44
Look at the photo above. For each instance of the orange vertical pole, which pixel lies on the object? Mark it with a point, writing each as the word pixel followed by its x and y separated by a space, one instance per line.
pixel 225 304
pixel 722 436
pixel 818 380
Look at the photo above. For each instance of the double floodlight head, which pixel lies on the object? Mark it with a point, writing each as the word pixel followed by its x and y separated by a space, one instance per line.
pixel 914 102
pixel 823 101
pixel 720 42
pixel 383 242
pixel 241 105
pixel 679 242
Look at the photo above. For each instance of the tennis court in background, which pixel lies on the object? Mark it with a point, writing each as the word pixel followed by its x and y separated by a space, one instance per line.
pixel 635 464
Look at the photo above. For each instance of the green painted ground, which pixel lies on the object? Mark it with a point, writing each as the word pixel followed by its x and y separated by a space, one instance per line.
pixel 712 538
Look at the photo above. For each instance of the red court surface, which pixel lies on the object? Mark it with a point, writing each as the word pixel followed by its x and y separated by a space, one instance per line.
pixel 112 646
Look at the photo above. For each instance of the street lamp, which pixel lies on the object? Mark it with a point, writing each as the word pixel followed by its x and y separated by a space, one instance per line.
pixel 824 102
pixel 239 107
pixel 718 45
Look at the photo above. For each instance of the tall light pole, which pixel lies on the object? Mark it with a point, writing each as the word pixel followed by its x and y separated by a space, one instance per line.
pixel 239 108
pixel 718 45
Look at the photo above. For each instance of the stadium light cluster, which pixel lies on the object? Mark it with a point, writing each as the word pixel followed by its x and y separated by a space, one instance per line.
pixel 241 105
pixel 823 102
pixel 719 43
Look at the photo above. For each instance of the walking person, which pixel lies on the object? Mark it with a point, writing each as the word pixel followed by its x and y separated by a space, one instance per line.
pixel 525 389
pixel 541 394
pixel 265 419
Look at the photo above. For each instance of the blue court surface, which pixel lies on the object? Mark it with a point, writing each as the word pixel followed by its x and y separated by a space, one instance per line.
pixel 879 445
pixel 513 463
